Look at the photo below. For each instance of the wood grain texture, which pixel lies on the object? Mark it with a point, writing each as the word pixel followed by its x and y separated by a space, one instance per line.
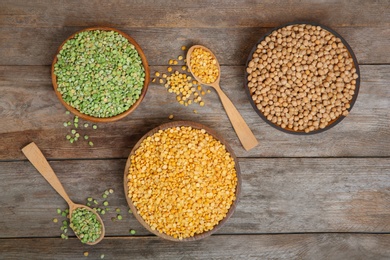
pixel 30 111
pixel 38 160
pixel 324 196
pixel 163 13
pixel 293 246
pixel 278 196
pixel 244 133
pixel 232 46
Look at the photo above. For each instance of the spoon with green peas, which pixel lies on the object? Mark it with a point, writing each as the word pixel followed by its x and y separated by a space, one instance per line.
pixel 85 222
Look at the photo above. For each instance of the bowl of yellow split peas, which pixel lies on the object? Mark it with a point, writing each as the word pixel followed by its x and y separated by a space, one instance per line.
pixel 182 181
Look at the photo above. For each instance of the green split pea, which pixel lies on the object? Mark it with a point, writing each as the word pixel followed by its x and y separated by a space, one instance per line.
pixel 99 73
pixel 86 225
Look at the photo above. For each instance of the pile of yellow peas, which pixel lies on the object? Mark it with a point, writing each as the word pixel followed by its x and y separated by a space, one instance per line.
pixel 187 90
pixel 182 181
pixel 204 65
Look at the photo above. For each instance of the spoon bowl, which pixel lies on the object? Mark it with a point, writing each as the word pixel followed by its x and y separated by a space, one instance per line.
pixel 35 156
pixel 73 207
pixel 244 133
pixel 188 59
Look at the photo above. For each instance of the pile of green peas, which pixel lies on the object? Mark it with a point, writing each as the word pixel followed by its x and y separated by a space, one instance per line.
pixel 85 225
pixel 99 73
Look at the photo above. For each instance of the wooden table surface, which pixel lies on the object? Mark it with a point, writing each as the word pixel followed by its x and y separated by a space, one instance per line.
pixel 323 196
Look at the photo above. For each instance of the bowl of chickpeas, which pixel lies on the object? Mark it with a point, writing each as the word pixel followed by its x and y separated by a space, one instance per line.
pixel 302 78
pixel 182 181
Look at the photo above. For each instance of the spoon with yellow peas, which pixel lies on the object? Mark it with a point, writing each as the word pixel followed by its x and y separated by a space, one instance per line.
pixel 205 68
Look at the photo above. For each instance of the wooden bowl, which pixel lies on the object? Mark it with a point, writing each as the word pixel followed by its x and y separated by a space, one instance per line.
pixel 123 114
pixel 216 136
pixel 331 123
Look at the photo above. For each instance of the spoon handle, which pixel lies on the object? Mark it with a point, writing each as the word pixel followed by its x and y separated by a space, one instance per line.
pixel 35 156
pixel 244 133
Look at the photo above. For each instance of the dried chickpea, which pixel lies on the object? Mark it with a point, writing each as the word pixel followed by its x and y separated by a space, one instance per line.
pixel 302 77
pixel 182 181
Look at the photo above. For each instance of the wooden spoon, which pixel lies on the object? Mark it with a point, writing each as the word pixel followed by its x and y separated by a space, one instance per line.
pixel 35 156
pixel 248 140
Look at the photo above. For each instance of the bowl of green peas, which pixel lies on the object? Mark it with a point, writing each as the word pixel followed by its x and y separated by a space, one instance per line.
pixel 100 74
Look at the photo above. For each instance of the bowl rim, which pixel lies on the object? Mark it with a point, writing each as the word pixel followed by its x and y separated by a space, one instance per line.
pixel 333 122
pixel 216 136
pixel 103 119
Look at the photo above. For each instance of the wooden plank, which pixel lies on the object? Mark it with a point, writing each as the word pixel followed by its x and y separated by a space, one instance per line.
pixel 30 111
pixel 292 246
pixel 192 14
pixel 231 45
pixel 278 196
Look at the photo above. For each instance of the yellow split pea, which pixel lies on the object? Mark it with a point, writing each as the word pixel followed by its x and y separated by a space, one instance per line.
pixel 182 181
pixel 204 65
